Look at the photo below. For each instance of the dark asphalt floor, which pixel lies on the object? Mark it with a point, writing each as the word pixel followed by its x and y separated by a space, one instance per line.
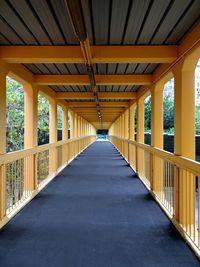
pixel 95 213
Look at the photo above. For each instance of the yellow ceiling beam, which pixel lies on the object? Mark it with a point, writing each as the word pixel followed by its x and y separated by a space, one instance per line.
pixel 133 54
pixel 101 95
pixel 100 54
pixel 134 79
pixel 101 104
pixel 61 80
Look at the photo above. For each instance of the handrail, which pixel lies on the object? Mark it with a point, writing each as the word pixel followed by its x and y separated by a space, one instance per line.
pixel 174 182
pixel 12 156
pixel 28 171
pixel 183 162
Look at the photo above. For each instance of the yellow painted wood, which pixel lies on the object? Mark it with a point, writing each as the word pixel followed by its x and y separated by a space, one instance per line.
pixel 101 95
pixel 101 104
pixel 30 133
pixel 140 120
pixel 157 136
pixel 131 122
pixel 157 115
pixel 3 73
pixel 30 115
pixel 126 124
pixel 53 155
pixel 100 54
pixel 64 123
pixel 184 117
pixel 184 139
pixel 140 135
pixel 127 79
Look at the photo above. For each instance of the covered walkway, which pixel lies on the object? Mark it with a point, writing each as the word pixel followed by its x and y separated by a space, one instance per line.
pixel 96 212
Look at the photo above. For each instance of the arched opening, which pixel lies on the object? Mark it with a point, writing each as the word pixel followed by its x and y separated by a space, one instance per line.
pixel 59 122
pixel 168 116
pixel 14 141
pixel 14 115
pixel 197 110
pixel 69 125
pixel 147 120
pixel 43 120
pixel 135 122
pixel 197 136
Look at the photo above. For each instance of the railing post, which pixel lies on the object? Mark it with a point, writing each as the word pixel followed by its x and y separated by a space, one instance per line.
pixel 53 154
pixel 3 73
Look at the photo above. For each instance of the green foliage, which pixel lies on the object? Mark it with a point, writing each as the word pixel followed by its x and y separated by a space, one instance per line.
pixel 59 121
pixel 147 115
pixel 14 115
pixel 197 119
pixel 43 120
pixel 135 119
pixel 68 120
pixel 168 107
pixel 168 114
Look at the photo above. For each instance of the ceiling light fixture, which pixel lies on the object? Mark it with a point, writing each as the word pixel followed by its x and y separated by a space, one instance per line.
pixel 75 11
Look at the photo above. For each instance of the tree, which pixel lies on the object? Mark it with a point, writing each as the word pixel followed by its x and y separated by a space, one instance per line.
pixel 14 115
pixel 43 120
pixel 147 115
pixel 168 109
pixel 197 119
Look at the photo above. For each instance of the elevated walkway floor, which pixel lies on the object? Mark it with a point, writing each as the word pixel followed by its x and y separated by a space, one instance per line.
pixel 96 213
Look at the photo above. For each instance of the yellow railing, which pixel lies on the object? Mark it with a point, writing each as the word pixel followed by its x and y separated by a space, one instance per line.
pixel 174 182
pixel 24 173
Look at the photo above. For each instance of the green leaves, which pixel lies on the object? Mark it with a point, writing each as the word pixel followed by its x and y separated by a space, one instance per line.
pixel 14 115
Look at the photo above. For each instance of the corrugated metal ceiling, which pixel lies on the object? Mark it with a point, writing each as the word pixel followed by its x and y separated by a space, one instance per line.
pixel 109 22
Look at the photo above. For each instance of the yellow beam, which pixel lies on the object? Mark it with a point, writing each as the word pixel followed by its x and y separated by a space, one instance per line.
pixel 100 54
pixel 133 54
pixel 102 109
pixel 101 104
pixel 61 79
pixel 101 95
pixel 126 79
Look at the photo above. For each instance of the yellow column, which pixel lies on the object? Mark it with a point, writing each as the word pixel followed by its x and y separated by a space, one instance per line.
pixel 81 121
pixel 131 148
pixel 140 120
pixel 126 134
pixel 123 125
pixel 75 125
pixel 184 139
pixel 53 158
pixel 157 136
pixel 3 73
pixel 30 132
pixel 126 122
pixel 64 123
pixel 157 115
pixel 140 136
pixel 64 134
pixel 30 115
pixel 184 117
pixel 71 125
pixel 131 124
